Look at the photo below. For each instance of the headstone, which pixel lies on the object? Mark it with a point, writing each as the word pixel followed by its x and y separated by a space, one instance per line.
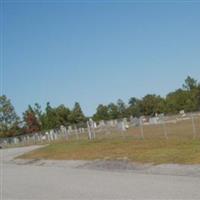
pixel 182 113
pixel 141 127
pixel 154 120
pixel 51 135
pixel 115 122
pixel 70 130
pixel 193 127
pixel 15 140
pixel 64 131
pixel 91 132
pixel 125 123
pixel 55 135
pixel 101 123
pixel 95 124
pixel 77 133
pixel 123 126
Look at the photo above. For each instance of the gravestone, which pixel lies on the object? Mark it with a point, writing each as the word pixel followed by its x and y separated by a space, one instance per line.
pixel 91 132
pixel 70 130
pixel 64 131
pixel 102 123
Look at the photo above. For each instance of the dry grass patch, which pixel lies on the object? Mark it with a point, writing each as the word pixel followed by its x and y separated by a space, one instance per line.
pixel 180 147
pixel 156 151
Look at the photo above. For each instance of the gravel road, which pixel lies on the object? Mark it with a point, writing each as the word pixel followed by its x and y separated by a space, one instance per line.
pixel 56 180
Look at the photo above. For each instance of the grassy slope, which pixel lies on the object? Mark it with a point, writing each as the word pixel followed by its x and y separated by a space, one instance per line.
pixel 179 148
pixel 145 151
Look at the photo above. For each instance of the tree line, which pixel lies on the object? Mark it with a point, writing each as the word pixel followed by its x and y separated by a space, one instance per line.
pixel 186 98
pixel 35 119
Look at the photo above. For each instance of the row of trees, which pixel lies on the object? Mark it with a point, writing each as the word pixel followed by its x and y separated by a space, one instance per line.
pixel 34 119
pixel 186 98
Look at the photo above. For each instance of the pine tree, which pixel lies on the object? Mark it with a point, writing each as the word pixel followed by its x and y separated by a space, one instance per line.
pixel 9 120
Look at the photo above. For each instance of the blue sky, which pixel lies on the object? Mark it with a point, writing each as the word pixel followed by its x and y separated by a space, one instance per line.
pixel 94 52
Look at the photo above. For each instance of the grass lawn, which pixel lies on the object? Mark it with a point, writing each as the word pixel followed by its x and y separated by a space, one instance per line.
pixel 180 147
pixel 157 151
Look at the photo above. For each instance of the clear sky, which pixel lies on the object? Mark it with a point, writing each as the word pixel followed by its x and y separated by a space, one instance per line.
pixel 95 52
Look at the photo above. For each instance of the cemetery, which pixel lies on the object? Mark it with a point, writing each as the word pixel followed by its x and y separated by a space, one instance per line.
pixel 113 128
pixel 99 99
pixel 170 139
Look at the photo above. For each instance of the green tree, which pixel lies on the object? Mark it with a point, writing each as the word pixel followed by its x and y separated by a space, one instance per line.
pixel 38 112
pixel 77 115
pixel 112 111
pixel 152 104
pixel 121 108
pixel 50 118
pixel 187 98
pixel 179 100
pixel 190 84
pixel 192 87
pixel 63 115
pixel 133 101
pixel 101 113
pixel 9 121
pixel 134 108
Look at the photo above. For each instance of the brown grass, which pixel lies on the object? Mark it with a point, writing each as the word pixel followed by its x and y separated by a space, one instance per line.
pixel 180 147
